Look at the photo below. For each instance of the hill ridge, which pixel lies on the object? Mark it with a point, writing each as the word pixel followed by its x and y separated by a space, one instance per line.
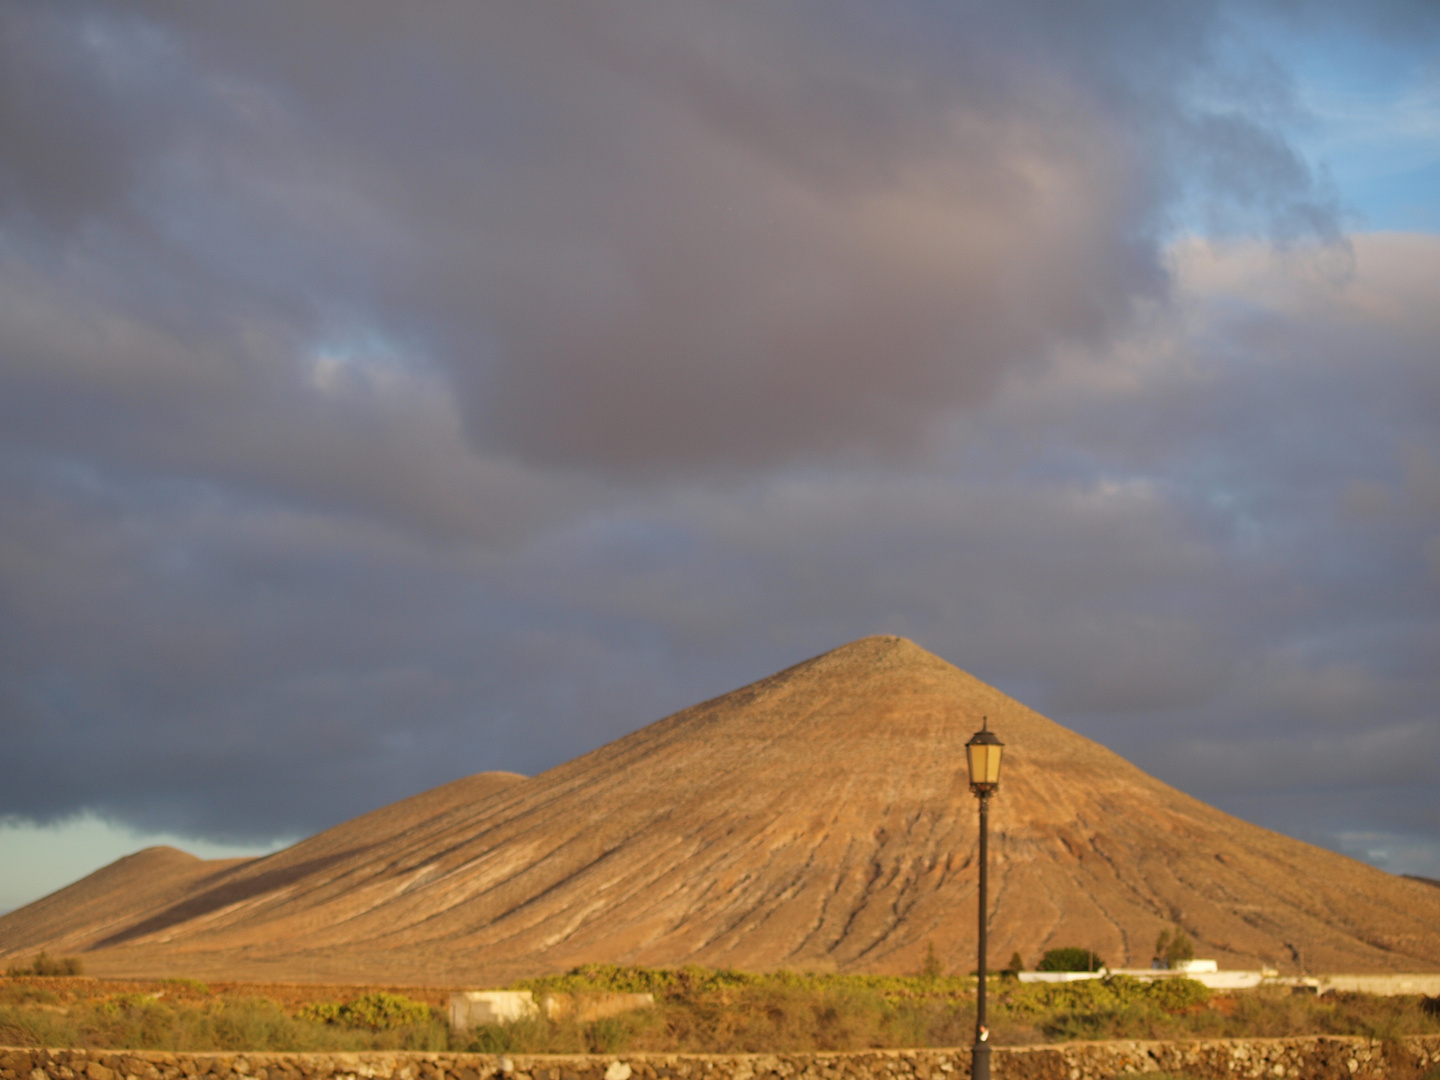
pixel 817 818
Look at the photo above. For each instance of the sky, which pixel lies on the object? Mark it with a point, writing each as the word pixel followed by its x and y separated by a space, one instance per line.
pixel 390 393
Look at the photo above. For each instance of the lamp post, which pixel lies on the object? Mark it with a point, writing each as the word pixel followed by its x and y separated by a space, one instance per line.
pixel 982 753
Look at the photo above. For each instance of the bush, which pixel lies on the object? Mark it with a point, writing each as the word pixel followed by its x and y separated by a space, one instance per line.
pixel 700 1010
pixel 135 1021
pixel 533 1035
pixel 932 969
pixel 692 982
pixel 35 1027
pixel 1171 947
pixel 45 965
pixel 252 1023
pixel 1071 958
pixel 1116 1004
pixel 16 993
pixel 375 1012
pixel 731 1011
pixel 1176 995
pixel 193 986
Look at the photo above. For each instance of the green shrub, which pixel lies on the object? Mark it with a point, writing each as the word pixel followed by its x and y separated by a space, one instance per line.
pixel 194 986
pixel 610 1035
pixel 379 1011
pixel 125 1022
pixel 1117 1006
pixel 21 1026
pixel 1086 995
pixel 688 983
pixel 520 1036
pixel 143 1021
pixel 1070 958
pixel 21 993
pixel 932 969
pixel 321 1012
pixel 1175 995
pixel 1171 947
pixel 251 1023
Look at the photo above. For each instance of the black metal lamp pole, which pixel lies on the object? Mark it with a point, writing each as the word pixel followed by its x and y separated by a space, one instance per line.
pixel 980 1067
pixel 983 756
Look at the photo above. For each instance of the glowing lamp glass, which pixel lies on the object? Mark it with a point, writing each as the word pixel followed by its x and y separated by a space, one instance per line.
pixel 983 754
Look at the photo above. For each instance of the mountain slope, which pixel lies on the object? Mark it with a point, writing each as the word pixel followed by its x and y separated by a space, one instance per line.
pixel 817 819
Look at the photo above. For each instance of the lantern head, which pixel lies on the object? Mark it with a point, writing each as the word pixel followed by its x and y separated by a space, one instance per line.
pixel 982 753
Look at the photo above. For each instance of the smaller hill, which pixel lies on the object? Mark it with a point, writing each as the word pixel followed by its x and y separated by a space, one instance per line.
pixel 163 886
pixel 116 895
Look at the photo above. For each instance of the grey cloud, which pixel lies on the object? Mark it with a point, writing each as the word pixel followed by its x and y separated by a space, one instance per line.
pixel 172 657
pixel 69 148
pixel 252 406
pixel 695 236
pixel 1168 549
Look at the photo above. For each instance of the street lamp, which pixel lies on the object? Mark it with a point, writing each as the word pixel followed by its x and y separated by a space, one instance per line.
pixel 982 753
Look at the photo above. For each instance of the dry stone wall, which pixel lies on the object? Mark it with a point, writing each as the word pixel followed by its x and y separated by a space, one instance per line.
pixel 1313 1058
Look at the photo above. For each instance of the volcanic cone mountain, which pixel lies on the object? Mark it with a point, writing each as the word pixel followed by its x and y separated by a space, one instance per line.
pixel 818 819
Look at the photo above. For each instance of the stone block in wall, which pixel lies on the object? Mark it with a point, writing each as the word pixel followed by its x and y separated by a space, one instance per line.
pixel 1310 1058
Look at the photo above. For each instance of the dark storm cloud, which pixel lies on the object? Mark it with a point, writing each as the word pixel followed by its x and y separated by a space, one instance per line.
pixel 186 660
pixel 1162 546
pixel 69 146
pixel 650 237
pixel 389 393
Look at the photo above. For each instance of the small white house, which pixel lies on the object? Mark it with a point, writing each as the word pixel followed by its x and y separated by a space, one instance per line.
pixel 471 1008
pixel 1194 965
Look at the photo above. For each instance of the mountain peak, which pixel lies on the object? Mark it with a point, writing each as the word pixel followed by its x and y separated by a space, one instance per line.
pixel 819 818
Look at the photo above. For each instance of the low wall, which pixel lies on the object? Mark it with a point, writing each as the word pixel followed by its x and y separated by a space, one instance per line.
pixel 1381 984
pixel 1310 1058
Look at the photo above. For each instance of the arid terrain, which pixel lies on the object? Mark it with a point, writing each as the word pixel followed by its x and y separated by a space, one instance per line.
pixel 819 819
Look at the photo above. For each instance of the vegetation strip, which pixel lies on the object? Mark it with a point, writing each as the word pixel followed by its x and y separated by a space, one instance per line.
pixel 696 1011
